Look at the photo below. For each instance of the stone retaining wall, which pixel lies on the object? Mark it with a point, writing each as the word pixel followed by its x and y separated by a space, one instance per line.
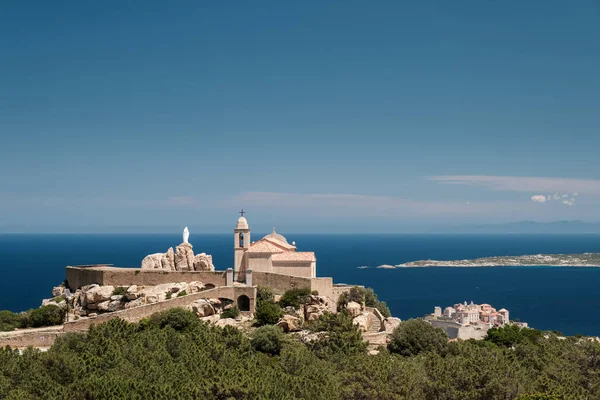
pixel 105 275
pixel 137 313
pixel 39 338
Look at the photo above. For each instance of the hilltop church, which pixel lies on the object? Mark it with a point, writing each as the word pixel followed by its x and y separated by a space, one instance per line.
pixel 272 253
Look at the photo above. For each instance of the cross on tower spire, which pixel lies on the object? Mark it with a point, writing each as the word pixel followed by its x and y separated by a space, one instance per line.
pixel 242 212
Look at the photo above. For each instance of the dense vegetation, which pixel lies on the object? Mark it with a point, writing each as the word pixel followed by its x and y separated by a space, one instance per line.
pixel 173 355
pixel 364 296
pixel 44 316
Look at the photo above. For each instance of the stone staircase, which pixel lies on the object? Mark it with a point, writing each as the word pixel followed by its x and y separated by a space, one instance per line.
pixel 374 322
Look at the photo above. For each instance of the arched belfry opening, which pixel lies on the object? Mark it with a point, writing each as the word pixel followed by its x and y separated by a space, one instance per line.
pixel 241 237
pixel 243 303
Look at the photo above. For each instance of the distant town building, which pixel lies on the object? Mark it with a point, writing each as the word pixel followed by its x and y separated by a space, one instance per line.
pixel 469 320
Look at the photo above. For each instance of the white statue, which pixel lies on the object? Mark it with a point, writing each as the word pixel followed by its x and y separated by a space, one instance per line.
pixel 186 235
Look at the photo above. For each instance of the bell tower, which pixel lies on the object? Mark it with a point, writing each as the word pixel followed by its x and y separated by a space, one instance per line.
pixel 241 243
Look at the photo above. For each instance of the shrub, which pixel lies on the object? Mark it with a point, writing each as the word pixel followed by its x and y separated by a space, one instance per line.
pixel 366 296
pixel 342 335
pixel 60 298
pixel 231 312
pixel 169 295
pixel 182 293
pixel 416 336
pixel 120 291
pixel 357 294
pixel 294 298
pixel 342 301
pixel 46 316
pixel 268 339
pixel 176 318
pixel 264 293
pixel 268 313
pixel 9 320
pixel 509 335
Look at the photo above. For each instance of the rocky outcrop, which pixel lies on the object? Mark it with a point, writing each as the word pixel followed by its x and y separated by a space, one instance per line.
pixel 290 323
pixel 58 291
pixel 362 321
pixel 182 259
pixel 316 306
pixel 203 262
pixel 170 254
pixel 99 294
pixel 203 308
pixel 154 261
pixel 353 309
pixel 95 298
pixel 391 323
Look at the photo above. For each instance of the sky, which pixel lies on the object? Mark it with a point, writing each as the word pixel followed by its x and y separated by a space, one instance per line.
pixel 314 116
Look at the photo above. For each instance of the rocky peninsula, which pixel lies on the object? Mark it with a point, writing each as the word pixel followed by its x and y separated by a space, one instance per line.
pixel 536 260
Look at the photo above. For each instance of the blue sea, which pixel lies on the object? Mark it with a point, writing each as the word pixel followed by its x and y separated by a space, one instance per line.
pixel 548 298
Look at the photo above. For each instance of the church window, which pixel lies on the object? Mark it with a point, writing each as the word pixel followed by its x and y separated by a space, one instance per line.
pixel 241 239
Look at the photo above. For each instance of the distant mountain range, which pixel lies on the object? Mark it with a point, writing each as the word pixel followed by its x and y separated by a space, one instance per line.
pixel 526 227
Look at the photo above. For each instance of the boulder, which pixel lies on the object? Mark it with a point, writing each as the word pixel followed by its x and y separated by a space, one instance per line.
pixel 110 306
pixel 195 287
pixel 99 294
pixel 89 287
pixel 135 303
pixel 314 312
pixel 391 323
pixel 362 321
pixel 58 291
pixel 170 254
pixel 211 319
pixel 290 323
pixel 203 308
pixel 184 257
pixel 309 336
pixel 132 292
pixel 203 262
pixel 117 297
pixel 153 261
pixel 226 322
pixel 353 309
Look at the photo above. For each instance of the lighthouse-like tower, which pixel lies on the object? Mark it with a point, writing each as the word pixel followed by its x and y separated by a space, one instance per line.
pixel 241 243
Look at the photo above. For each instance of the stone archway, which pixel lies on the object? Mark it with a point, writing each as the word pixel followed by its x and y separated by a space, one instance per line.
pixel 243 303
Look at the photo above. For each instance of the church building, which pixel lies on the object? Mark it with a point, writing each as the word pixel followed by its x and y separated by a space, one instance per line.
pixel 272 253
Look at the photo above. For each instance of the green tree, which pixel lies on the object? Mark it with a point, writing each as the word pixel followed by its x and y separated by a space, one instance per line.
pixel 267 313
pixel 9 320
pixel 268 339
pixel 231 312
pixel 510 335
pixel 294 297
pixel 340 335
pixel 264 293
pixel 416 336
pixel 46 316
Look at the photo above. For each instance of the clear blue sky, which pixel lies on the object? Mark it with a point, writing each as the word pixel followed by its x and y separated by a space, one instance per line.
pixel 313 116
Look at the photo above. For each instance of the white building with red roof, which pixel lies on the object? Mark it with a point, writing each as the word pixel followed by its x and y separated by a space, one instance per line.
pixel 272 253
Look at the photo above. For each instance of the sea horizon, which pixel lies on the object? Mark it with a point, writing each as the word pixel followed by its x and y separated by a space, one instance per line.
pixel 542 296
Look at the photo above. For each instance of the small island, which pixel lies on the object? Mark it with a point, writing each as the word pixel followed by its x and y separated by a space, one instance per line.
pixel 534 260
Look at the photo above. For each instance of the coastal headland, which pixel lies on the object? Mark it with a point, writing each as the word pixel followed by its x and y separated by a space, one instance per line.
pixel 536 260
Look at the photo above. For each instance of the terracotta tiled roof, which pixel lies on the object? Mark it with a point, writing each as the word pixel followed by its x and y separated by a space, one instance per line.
pixel 282 244
pixel 264 246
pixel 291 256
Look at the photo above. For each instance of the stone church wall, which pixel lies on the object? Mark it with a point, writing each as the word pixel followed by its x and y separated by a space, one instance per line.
pixel 295 269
